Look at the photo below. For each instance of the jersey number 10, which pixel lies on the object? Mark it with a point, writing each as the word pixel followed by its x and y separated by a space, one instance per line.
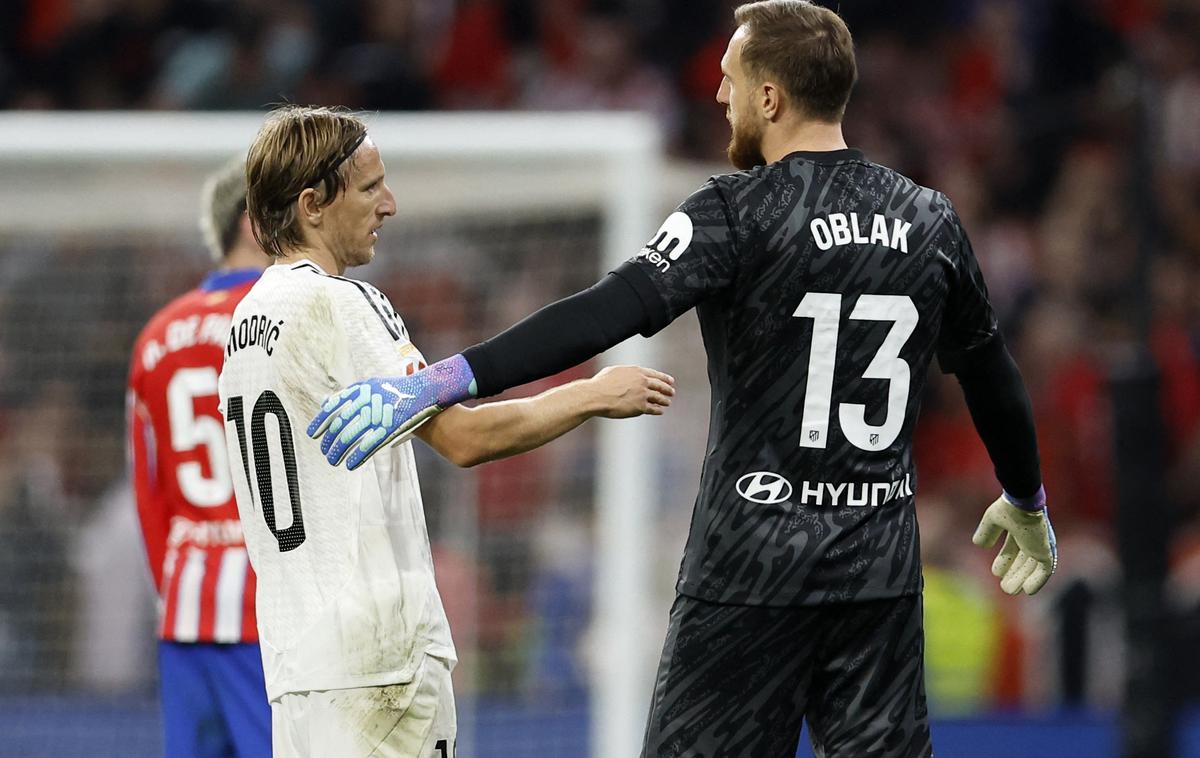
pixel 268 404
pixel 825 309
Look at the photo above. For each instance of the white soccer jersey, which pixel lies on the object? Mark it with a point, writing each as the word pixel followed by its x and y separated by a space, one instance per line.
pixel 346 595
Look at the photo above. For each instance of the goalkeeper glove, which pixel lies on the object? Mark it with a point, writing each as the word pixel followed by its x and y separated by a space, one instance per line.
pixel 1030 553
pixel 371 414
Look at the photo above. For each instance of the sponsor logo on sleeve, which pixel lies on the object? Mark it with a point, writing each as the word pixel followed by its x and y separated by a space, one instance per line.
pixel 670 242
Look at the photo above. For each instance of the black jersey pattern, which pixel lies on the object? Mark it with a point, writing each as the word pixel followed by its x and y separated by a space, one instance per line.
pixel 824 285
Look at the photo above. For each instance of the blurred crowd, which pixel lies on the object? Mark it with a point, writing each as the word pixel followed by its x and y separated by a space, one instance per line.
pixel 1067 133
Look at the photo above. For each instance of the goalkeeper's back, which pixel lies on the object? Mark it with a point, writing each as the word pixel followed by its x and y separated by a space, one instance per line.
pixel 346 595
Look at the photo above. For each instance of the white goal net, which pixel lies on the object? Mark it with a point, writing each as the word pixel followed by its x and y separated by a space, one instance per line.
pixel 552 565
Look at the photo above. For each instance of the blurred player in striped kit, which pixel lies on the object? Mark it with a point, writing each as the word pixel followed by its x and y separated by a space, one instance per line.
pixel 213 697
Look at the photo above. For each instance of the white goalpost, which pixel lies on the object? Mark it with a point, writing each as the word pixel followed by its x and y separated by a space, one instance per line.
pixel 85 174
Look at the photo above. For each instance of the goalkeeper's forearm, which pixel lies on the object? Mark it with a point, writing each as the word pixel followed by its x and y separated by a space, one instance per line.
pixel 1003 416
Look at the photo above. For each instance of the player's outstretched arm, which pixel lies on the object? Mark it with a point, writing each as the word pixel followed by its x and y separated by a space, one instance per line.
pixel 371 414
pixel 470 436
pixel 1030 552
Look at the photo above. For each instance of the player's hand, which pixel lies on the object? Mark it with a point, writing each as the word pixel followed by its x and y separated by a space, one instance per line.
pixel 1030 553
pixel 627 391
pixel 369 415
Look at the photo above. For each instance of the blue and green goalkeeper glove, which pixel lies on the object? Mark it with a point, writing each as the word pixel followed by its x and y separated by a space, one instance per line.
pixel 1030 552
pixel 369 415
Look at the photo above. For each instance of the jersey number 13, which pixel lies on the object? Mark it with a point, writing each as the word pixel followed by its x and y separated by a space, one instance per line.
pixel 825 309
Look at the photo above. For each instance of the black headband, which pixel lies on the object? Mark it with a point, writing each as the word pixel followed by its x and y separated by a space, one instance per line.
pixel 341 157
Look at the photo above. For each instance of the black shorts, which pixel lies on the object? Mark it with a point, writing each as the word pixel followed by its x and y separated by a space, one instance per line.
pixel 739 680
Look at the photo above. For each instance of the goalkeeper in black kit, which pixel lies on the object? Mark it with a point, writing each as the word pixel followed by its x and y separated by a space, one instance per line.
pixel 824 285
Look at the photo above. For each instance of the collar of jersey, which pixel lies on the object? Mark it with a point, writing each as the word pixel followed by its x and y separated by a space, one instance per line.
pixel 308 264
pixel 827 156
pixel 223 280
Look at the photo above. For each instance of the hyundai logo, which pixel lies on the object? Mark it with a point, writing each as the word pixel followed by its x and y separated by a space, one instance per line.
pixel 764 487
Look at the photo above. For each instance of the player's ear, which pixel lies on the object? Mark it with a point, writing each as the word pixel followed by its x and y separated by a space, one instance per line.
pixel 770 100
pixel 308 205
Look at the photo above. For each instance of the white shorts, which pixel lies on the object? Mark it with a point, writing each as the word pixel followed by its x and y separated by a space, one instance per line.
pixel 413 720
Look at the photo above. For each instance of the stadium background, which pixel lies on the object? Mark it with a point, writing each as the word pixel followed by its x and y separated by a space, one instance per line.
pixel 1067 132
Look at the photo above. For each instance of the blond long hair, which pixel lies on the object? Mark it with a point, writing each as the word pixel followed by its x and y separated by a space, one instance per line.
pixel 297 147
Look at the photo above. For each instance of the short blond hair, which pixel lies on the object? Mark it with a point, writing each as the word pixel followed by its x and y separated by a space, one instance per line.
pixel 297 147
pixel 222 205
pixel 805 48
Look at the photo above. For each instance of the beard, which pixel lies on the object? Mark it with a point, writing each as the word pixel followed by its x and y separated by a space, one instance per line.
pixel 355 253
pixel 745 145
pixel 362 256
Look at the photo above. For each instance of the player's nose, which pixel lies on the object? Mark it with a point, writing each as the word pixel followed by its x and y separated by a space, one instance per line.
pixel 388 208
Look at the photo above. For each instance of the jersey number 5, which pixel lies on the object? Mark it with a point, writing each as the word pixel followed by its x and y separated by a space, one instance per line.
pixel 825 309
pixel 268 405
pixel 190 430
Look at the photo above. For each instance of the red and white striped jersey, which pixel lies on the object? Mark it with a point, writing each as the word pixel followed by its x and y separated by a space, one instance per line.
pixel 181 472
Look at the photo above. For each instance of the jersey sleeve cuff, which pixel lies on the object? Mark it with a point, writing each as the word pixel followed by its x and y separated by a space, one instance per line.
pixel 1035 502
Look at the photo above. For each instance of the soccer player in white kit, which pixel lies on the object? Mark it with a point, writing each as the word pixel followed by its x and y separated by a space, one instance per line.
pixel 356 647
